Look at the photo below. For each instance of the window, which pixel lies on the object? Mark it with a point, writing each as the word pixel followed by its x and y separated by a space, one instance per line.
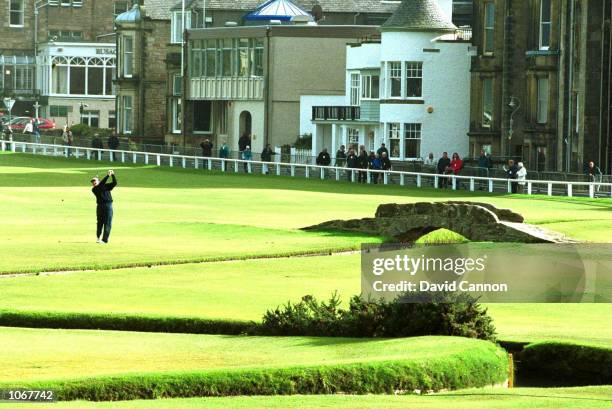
pixel 91 118
pixel 177 26
pixel 210 58
pixel 222 117
pixel 489 28
pixel 77 3
pixel 542 114
pixel 59 110
pixel 353 138
pixel 126 114
pixel 65 35
pixel 82 76
pixel 545 24
pixel 242 57
pixel 128 56
pixel 355 89
pixel 175 106
pixel 177 85
pixel 395 79
pixel 226 57
pixel 414 79
pixel 196 58
pixel 120 7
pixel 258 69
pixel 112 119
pixel 394 140
pixel 412 141
pixel 16 73
pixel 487 102
pixel 202 116
pixel 16 13
pixel 370 87
pixel 65 3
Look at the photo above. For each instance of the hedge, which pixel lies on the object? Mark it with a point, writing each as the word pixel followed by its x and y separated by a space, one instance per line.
pixel 486 366
pixel 566 364
pixel 123 322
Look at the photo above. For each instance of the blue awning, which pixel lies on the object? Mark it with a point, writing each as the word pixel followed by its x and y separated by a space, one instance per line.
pixel 283 10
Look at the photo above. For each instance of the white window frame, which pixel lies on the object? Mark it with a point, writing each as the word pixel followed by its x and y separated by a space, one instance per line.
pixel 355 88
pixel 413 132
pixel 394 132
pixel 366 87
pixel 394 71
pixel 20 12
pixel 543 100
pixel 175 113
pixel 545 25
pixel 127 70
pixel 414 70
pixel 491 88
pixel 89 115
pixel 176 23
pixel 127 126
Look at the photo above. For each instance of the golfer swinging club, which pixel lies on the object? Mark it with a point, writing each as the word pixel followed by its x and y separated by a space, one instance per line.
pixel 104 210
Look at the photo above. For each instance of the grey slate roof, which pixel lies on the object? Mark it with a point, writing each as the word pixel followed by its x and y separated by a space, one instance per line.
pixel 160 9
pixel 418 15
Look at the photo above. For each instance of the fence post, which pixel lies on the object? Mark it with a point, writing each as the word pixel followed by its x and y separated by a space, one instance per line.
pixel 100 154
pixel 509 186
pixel 419 181
pixel 77 152
pixel 278 169
pixel 23 148
pixel 122 156
pixel 337 174
pixel 184 162
pixel 386 178
pixel 490 186
pixel 472 188
pixel 454 182
pixel 87 153
pixel 307 171
pixel 353 175
pixel 322 173
pixel 13 147
pixel 146 158
pixel 529 188
pixel 222 165
pixel 249 170
pixel 209 164
pixel 549 189
pixel 235 166
pixel 158 160
pixel 292 170
pixel 436 181
pixel 171 160
pixel 195 163
pixel 3 145
pixel 134 159
pixel 111 156
pixel 570 190
pixel 591 190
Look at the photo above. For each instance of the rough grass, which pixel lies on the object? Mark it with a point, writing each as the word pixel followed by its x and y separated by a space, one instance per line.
pixel 594 397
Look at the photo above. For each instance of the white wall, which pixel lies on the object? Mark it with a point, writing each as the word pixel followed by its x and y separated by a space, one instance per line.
pixel 308 101
pixel 447 8
pixel 364 56
pixel 446 88
pixel 256 108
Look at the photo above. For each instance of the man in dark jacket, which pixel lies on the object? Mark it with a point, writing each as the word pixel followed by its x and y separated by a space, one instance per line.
pixel 484 164
pixel 381 150
pixel 207 147
pixel 362 162
pixel 104 201
pixel 243 142
pixel 97 143
pixel 511 172
pixel 443 164
pixel 113 143
pixel 323 159
pixel 351 163
pixel 385 162
pixel 266 156
pixel 341 157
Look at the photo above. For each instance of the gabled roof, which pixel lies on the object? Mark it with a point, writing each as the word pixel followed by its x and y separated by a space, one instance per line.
pixel 283 10
pixel 418 15
pixel 160 9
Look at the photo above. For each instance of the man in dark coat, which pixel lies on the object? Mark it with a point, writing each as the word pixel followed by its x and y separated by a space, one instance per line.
pixel 243 142
pixel 363 161
pixel 511 172
pixel 104 202
pixel 266 156
pixel 113 143
pixel 207 147
pixel 351 163
pixel 323 159
pixel 443 165
pixel 341 157
pixel 381 150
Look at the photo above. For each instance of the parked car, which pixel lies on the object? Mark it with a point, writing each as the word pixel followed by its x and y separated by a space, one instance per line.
pixel 18 124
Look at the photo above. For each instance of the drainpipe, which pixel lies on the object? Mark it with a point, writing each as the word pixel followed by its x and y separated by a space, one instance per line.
pixel 570 100
pixel 355 18
pixel 601 88
pixel 266 138
pixel 609 126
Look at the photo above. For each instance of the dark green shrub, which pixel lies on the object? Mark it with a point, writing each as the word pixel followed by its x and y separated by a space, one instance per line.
pixel 565 364
pixel 449 314
pixel 303 142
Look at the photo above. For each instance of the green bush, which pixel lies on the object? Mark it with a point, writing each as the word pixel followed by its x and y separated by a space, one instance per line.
pixel 485 364
pixel 121 322
pixel 565 364
pixel 449 314
pixel 303 142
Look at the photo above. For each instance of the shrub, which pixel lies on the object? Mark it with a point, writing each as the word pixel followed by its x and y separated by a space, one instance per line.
pixel 448 314
pixel 565 364
pixel 303 142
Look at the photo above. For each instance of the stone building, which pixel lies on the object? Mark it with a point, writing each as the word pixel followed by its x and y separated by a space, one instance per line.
pixel 43 43
pixel 409 90
pixel 541 82
pixel 151 99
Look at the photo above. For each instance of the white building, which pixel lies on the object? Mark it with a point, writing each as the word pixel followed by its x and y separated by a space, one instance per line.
pixel 409 89
pixel 71 74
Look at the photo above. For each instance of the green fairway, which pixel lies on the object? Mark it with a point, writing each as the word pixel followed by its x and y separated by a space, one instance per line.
pixel 593 397
pixel 174 215
pixel 70 354
pixel 244 290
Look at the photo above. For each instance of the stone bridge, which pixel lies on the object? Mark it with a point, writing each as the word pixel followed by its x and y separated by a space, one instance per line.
pixel 475 221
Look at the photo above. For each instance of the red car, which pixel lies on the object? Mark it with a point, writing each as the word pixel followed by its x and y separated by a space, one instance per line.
pixel 19 123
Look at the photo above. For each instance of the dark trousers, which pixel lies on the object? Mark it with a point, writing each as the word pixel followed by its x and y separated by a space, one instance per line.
pixel 362 177
pixel 104 213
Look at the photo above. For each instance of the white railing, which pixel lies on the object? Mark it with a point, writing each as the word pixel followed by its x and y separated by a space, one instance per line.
pixel 455 182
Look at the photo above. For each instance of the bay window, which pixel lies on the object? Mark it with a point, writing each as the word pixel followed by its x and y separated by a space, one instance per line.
pixel 395 79
pixel 82 76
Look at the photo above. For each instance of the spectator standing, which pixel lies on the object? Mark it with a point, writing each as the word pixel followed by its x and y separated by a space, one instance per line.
pixel 541 160
pixel 385 162
pixel 511 173
pixel 594 173
pixel 341 157
pixel 323 159
pixel 484 164
pixel 362 162
pixel 113 143
pixel 224 153
pixel 28 129
pixel 244 142
pixel 351 163
pixel 430 161
pixel 375 164
pixel 521 176
pixel 207 147
pixel 36 130
pixel 443 164
pixel 381 150
pixel 266 156
pixel 247 155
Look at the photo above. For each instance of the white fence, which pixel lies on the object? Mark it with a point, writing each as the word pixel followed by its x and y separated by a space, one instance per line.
pixel 415 179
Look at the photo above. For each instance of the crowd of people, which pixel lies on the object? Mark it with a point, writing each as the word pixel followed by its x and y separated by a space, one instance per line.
pixel 361 162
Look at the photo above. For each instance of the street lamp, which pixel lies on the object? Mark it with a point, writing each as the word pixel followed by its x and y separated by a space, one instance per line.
pixel 515 105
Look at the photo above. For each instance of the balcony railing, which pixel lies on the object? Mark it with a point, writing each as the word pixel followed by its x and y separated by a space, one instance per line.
pixel 336 113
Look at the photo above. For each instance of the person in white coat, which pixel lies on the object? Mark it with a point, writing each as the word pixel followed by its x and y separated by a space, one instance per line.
pixel 521 176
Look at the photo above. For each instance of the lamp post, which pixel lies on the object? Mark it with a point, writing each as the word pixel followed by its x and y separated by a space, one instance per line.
pixel 515 105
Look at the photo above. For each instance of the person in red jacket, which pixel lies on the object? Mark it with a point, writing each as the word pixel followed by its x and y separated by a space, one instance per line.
pixel 456 164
